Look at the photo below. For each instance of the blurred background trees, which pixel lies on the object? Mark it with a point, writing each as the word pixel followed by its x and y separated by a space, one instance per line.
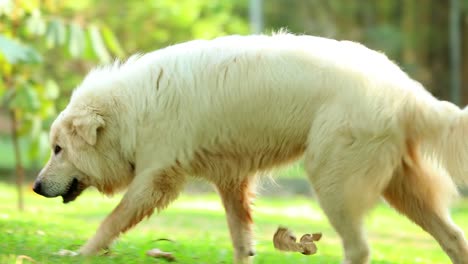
pixel 414 33
pixel 47 46
pixel 32 33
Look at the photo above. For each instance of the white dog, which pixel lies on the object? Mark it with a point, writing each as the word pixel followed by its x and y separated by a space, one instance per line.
pixel 228 108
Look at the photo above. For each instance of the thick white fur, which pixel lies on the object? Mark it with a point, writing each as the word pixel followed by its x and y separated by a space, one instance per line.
pixel 227 108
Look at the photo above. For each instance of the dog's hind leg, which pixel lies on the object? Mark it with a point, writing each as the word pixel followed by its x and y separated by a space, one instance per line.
pixel 237 198
pixel 422 194
pixel 348 177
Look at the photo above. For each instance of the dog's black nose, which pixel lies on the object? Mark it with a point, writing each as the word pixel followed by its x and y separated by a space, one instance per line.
pixel 37 187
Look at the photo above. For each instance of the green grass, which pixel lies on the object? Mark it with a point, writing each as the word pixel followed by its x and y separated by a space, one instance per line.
pixel 197 226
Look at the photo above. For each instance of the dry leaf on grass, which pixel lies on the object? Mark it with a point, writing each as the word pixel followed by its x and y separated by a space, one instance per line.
pixel 66 253
pixel 285 240
pixel 157 253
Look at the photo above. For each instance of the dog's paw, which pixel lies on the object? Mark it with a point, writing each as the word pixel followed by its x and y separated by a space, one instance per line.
pixel 67 253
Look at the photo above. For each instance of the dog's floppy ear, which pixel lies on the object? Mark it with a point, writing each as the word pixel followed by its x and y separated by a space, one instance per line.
pixel 86 125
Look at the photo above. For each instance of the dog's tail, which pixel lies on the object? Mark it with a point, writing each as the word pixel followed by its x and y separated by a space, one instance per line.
pixel 442 128
pixel 454 147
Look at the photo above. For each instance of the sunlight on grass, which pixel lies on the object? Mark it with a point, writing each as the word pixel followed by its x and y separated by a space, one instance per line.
pixel 197 225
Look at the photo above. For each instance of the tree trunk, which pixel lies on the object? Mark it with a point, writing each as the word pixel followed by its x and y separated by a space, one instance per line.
pixel 439 56
pixel 19 164
pixel 408 24
pixel 422 36
pixel 464 57
pixel 455 54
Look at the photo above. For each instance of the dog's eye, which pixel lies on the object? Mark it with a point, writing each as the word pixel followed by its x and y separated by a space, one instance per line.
pixel 57 149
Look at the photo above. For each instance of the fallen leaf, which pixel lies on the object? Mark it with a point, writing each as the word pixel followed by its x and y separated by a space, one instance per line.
pixel 157 253
pixel 285 240
pixel 66 253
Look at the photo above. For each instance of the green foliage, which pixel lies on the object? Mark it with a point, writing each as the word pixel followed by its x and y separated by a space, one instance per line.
pixel 111 41
pixel 15 52
pixel 43 43
pixel 77 40
pixel 146 26
pixel 98 43
pixel 27 89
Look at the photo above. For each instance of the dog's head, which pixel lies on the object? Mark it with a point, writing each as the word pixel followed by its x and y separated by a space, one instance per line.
pixel 75 160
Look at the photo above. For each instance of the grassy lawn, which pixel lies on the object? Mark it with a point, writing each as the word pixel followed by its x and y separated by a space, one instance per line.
pixel 197 226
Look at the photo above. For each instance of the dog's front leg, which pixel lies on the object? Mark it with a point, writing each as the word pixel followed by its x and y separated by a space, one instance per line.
pixel 236 200
pixel 147 191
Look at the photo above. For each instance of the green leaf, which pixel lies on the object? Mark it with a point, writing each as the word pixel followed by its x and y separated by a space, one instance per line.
pixel 61 32
pixel 2 89
pixel 38 147
pixel 77 40
pixel 44 148
pixel 28 6
pixel 50 35
pixel 33 148
pixel 56 33
pixel 98 44
pixel 36 24
pixel 47 109
pixel 32 98
pixel 16 52
pixel 6 8
pixel 36 126
pixel 24 127
pixel 52 90
pixel 26 99
pixel 112 42
pixel 6 96
pixel 88 52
